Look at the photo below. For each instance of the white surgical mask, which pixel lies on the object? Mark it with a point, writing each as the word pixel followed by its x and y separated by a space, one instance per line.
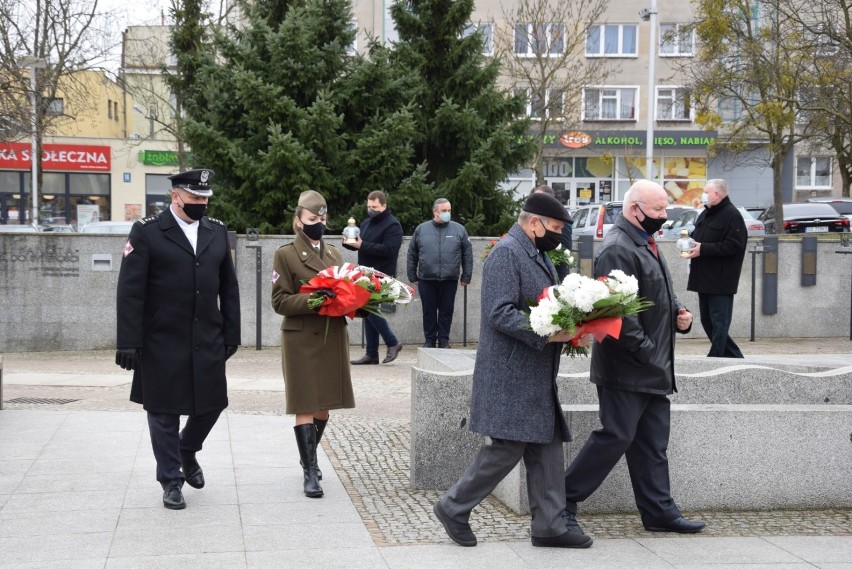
pixel 705 199
pixel 445 216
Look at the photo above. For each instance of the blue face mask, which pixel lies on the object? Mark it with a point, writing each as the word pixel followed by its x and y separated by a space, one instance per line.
pixel 445 216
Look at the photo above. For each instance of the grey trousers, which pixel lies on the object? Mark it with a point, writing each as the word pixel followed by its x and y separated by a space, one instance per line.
pixel 494 461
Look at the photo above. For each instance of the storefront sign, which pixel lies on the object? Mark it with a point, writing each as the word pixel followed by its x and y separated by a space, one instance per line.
pixel 611 140
pixel 59 157
pixel 158 157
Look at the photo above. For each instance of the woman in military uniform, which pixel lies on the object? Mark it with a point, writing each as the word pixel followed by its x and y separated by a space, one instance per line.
pixel 314 348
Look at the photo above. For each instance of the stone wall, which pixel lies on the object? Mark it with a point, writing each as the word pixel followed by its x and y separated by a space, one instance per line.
pixel 747 435
pixel 57 292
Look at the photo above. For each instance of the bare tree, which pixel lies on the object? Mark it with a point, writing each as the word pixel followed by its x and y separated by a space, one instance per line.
pixel 825 100
pixel 542 44
pixel 65 36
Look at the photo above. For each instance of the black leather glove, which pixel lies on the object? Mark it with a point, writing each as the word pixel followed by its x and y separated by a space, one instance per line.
pixel 127 358
pixel 327 292
pixel 230 351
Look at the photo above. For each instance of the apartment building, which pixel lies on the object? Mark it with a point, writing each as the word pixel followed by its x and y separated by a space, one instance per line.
pixel 599 149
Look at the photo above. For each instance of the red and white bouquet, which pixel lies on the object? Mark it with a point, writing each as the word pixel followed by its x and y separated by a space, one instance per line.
pixel 348 289
pixel 581 305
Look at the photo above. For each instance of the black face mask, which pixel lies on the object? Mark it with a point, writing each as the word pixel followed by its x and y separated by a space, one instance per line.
pixel 314 231
pixel 371 213
pixel 549 241
pixel 194 211
pixel 649 224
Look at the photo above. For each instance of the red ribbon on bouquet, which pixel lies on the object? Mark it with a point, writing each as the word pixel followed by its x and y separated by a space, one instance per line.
pixel 349 296
pixel 599 329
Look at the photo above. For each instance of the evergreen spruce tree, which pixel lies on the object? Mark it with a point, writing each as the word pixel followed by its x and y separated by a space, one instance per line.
pixel 472 133
pixel 283 106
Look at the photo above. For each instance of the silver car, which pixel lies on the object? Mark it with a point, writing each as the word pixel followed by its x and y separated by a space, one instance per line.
pixel 686 220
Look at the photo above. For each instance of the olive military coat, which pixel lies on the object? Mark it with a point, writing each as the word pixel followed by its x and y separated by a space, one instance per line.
pixel 181 308
pixel 314 348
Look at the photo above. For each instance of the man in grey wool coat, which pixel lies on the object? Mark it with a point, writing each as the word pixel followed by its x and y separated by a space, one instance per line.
pixel 514 399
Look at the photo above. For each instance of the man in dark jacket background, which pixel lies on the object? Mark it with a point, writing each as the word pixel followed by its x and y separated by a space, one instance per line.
pixel 178 317
pixel 440 257
pixel 378 247
pixel 716 261
pixel 634 374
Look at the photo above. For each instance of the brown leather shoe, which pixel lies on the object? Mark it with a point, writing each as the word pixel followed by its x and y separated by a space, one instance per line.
pixel 393 352
pixel 365 360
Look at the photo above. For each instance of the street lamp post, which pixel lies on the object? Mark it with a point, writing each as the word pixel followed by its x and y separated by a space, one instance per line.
pixel 650 15
pixel 33 63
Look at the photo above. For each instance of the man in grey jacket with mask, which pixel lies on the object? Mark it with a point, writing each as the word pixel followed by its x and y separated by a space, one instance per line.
pixel 440 257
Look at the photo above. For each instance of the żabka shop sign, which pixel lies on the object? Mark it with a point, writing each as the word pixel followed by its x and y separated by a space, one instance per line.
pixel 64 157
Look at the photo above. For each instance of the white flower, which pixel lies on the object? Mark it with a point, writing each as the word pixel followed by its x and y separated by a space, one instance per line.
pixel 623 283
pixel 589 293
pixel 541 317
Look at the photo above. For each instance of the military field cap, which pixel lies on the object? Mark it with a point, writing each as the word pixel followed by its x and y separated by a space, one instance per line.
pixel 196 182
pixel 313 202
pixel 546 205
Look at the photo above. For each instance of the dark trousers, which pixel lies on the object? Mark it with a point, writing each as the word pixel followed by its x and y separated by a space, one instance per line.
pixel 375 326
pixel 494 461
pixel 168 441
pixel 438 299
pixel 716 312
pixel 636 426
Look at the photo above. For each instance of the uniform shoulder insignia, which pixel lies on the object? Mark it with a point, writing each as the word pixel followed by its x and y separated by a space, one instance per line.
pixel 214 220
pixel 147 219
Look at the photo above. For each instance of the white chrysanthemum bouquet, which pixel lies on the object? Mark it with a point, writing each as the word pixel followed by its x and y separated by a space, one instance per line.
pixel 581 306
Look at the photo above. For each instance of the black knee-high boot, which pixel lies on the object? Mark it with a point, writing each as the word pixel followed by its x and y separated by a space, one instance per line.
pixel 306 440
pixel 320 425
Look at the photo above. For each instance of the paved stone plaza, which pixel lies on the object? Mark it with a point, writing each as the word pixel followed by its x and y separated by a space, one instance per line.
pixel 77 487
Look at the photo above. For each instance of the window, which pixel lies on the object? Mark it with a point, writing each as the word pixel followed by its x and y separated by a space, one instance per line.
pixel 115 111
pixel 732 109
pixel 676 40
pixel 813 172
pixel 609 103
pixel 673 104
pixel 109 108
pixel 611 40
pixel 539 39
pixel 552 107
pixel 487 32
pixel 391 35
pixel 56 106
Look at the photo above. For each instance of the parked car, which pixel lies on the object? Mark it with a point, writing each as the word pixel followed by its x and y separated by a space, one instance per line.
pixel 57 228
pixel 686 220
pixel 108 227
pixel 672 213
pixel 843 206
pixel 595 219
pixel 805 218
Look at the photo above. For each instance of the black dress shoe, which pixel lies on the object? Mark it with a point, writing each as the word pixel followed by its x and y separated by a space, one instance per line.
pixel 365 360
pixel 458 532
pixel 192 470
pixel 568 539
pixel 173 497
pixel 393 352
pixel 428 344
pixel 679 525
pixel 443 345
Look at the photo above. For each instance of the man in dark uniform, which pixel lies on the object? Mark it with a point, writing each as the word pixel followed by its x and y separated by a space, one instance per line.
pixel 178 321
